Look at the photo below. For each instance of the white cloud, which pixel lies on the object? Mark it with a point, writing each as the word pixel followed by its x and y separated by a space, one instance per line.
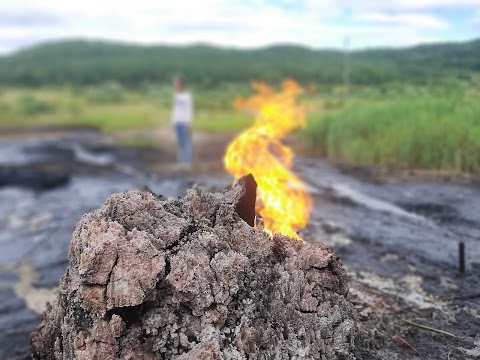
pixel 425 4
pixel 417 20
pixel 245 23
pixel 403 5
pixel 476 18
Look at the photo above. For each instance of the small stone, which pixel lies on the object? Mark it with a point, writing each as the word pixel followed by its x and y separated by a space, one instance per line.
pixel 117 325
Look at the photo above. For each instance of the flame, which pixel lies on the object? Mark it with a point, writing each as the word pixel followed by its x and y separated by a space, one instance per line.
pixel 282 199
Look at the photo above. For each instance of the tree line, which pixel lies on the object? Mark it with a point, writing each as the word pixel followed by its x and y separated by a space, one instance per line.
pixel 83 62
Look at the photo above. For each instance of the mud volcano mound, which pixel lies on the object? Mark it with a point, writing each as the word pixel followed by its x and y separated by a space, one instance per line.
pixel 156 278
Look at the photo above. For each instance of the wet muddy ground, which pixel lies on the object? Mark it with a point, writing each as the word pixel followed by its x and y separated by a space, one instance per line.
pixel 398 236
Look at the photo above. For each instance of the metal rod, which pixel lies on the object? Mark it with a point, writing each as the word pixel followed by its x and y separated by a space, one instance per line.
pixel 461 257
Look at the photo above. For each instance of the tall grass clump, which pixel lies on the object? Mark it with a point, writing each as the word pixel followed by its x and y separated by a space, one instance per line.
pixel 424 130
pixel 108 92
pixel 31 105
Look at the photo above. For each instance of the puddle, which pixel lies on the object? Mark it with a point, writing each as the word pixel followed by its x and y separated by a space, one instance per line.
pixel 372 203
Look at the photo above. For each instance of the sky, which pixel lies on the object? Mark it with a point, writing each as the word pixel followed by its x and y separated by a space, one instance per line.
pixel 240 23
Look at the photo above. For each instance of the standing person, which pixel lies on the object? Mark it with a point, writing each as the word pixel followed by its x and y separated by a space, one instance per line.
pixel 182 116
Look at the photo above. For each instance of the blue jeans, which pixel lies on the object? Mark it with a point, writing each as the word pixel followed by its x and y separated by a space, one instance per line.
pixel 184 143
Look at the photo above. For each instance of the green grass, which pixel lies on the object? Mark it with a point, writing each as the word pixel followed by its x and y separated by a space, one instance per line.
pixel 111 108
pixel 222 121
pixel 430 129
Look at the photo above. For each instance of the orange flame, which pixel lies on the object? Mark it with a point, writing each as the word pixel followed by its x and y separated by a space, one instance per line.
pixel 282 199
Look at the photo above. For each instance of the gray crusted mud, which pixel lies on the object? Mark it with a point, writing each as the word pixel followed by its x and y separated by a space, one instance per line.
pixel 155 278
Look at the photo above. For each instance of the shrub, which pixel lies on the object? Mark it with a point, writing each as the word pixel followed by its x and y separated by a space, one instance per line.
pixel 30 105
pixel 109 92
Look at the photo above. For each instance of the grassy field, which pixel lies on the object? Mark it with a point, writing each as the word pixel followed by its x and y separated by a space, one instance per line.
pixel 112 108
pixel 402 126
pixel 413 128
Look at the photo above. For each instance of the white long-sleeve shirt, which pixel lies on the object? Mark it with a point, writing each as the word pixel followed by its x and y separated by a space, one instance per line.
pixel 182 111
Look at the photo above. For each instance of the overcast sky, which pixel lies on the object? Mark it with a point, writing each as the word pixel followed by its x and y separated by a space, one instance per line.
pixel 240 23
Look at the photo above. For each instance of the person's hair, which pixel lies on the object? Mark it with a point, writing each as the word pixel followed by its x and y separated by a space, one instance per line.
pixel 181 81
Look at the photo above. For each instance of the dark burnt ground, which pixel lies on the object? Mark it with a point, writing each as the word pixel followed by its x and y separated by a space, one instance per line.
pixel 399 240
pixel 398 234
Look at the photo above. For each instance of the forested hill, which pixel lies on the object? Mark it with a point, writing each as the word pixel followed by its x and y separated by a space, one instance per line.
pixel 88 62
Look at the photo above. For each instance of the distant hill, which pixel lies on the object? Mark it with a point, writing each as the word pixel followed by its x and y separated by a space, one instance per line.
pixel 87 62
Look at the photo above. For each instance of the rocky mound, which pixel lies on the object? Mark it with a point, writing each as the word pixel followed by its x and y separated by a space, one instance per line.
pixel 155 278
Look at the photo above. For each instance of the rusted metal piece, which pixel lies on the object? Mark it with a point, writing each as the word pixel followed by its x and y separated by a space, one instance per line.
pixel 245 207
pixel 461 258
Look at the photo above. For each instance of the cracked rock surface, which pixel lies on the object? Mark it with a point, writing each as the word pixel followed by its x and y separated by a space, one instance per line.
pixel 155 278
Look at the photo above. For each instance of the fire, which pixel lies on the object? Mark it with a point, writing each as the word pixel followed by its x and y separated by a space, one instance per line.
pixel 282 199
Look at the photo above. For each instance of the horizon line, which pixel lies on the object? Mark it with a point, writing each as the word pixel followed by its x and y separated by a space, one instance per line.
pixel 225 46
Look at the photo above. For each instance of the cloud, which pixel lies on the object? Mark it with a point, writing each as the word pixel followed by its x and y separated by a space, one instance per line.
pixel 403 5
pixel 244 23
pixel 429 4
pixel 476 18
pixel 28 18
pixel 417 20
